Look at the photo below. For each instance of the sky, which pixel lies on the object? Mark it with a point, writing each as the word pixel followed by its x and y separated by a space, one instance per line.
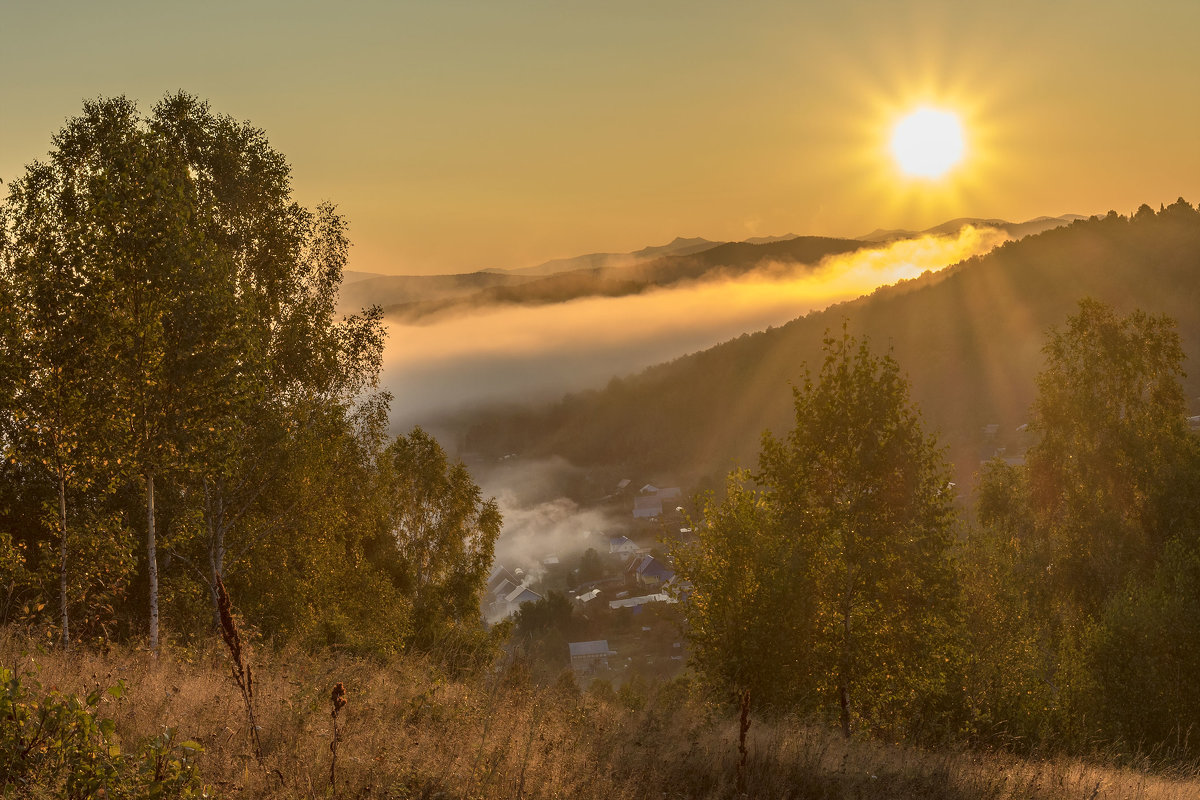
pixel 457 136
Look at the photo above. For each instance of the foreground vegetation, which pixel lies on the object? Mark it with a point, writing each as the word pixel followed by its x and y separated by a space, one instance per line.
pixel 830 581
pixel 410 730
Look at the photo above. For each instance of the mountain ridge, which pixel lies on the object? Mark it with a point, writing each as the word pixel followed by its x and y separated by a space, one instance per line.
pixel 677 246
pixel 723 260
pixel 1014 229
pixel 969 337
pixel 416 297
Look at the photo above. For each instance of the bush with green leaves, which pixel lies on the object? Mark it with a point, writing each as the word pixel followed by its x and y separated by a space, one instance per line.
pixel 53 744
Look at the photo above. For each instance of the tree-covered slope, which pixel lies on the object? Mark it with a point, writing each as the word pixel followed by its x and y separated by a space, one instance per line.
pixel 969 338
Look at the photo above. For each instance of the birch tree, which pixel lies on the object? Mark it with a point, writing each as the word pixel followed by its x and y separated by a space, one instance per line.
pixel 864 494
pixel 161 340
pixel 838 569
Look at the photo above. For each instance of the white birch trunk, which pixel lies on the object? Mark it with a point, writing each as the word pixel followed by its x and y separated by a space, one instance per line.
pixel 152 562
pixel 62 560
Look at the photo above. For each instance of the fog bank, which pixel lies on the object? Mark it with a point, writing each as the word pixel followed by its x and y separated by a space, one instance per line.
pixel 523 353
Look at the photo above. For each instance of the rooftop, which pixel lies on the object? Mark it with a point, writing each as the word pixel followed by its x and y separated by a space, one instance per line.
pixel 596 648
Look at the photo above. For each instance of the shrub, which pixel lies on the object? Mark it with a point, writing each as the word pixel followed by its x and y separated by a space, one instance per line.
pixel 60 744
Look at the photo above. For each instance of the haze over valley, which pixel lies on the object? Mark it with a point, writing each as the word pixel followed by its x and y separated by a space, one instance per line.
pixel 480 349
pixel 488 374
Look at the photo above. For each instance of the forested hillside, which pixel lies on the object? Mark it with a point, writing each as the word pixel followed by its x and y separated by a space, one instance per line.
pixel 969 338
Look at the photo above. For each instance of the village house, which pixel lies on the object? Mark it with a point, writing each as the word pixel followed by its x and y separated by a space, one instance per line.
pixel 516 598
pixel 634 602
pixel 648 571
pixel 622 546
pixel 505 593
pixel 649 505
pixel 587 657
pixel 498 575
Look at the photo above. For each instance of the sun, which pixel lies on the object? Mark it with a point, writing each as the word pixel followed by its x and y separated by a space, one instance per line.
pixel 928 142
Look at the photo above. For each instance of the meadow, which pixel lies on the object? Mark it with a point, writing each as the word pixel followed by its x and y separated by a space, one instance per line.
pixel 411 729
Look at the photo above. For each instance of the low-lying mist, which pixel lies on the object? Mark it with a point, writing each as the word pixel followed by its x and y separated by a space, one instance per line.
pixel 539 519
pixel 522 354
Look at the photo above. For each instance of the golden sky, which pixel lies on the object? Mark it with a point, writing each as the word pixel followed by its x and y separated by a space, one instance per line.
pixel 464 135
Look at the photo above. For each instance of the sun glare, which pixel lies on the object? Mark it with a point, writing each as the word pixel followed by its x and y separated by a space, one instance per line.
pixel 927 142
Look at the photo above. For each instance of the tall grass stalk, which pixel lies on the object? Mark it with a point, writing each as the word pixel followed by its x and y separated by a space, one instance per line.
pixel 242 675
pixel 743 729
pixel 338 698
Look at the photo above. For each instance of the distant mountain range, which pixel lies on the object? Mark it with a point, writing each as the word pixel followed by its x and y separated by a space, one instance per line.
pixel 1016 230
pixel 969 337
pixel 720 260
pixel 391 291
pixel 413 298
pixel 679 247
pixel 395 292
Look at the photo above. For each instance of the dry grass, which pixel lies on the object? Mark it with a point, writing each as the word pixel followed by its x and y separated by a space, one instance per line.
pixel 409 732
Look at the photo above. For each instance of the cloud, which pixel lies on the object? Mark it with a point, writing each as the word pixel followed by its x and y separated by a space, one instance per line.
pixel 522 353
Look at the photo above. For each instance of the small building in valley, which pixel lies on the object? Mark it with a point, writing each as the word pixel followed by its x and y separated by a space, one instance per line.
pixel 587 657
pixel 622 546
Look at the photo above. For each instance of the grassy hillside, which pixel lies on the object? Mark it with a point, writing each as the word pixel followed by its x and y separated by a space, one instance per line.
pixel 969 338
pixel 410 730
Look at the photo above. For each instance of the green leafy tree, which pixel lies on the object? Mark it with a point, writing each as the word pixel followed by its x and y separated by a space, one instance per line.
pixel 69 224
pixel 444 535
pixel 543 629
pixel 591 566
pixel 45 343
pixel 748 626
pixel 169 330
pixel 1114 488
pixel 295 359
pixel 168 339
pixel 865 493
pixel 1080 581
pixel 1145 652
pixel 322 576
pixel 1010 618
pixel 1107 473
pixel 172 323
pixel 841 562
pixel 551 613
